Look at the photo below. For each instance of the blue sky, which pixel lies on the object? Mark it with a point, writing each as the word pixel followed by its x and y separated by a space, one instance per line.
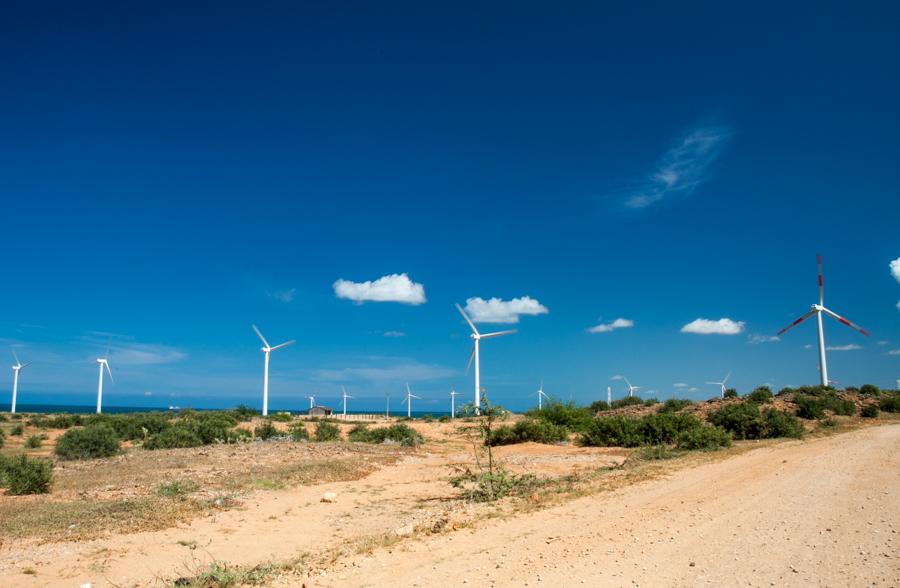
pixel 170 174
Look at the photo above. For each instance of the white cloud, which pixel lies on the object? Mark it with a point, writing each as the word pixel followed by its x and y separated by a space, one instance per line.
pixel 148 393
pixel 680 385
pixel 723 326
pixel 406 371
pixel 394 334
pixel 392 288
pixel 496 310
pixel 850 347
pixel 898 305
pixel 619 323
pixel 894 352
pixel 617 377
pixel 286 296
pixel 757 339
pixel 693 389
pixel 883 342
pixel 682 168
pixel 144 354
pixel 808 346
pixel 895 269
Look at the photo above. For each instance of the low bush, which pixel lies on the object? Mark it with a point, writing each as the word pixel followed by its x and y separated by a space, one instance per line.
pixel 809 407
pixel 18 430
pixel 243 413
pixel 731 393
pixel 2 438
pixel 239 435
pixel 25 475
pixel 177 489
pixel 298 431
pixel 778 423
pixel 651 402
pixel 326 432
pixel 135 426
pixel 540 431
pixel 65 421
pixel 869 411
pixel 34 442
pixel 704 437
pixel 399 433
pixel 760 395
pixel 281 417
pixel 890 403
pixel 869 390
pixel 674 404
pixel 265 431
pixel 612 431
pixel 568 415
pixel 91 442
pixel 743 420
pixel 814 407
pixel 654 429
pixel 627 401
pixel 173 438
pixel 444 418
pixel 658 452
pixel 598 406
pixel 502 435
pixel 829 423
pixel 490 486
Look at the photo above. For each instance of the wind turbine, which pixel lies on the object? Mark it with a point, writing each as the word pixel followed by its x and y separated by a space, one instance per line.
pixel 721 384
pixel 408 401
pixel 818 309
pixel 609 396
pixel 476 338
pixel 387 407
pixel 541 395
pixel 267 349
pixel 344 397
pixel 453 394
pixel 631 388
pixel 312 401
pixel 16 369
pixel 103 362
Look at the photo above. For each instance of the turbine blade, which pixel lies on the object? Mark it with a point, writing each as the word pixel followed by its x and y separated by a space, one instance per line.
pixel 626 381
pixel 408 391
pixel 471 357
pixel 16 356
pixel 726 378
pixel 414 396
pixel 108 345
pixel 844 321
pixel 260 335
pixel 25 365
pixel 821 290
pixel 405 398
pixel 109 371
pixel 285 344
pixel 796 322
pixel 468 320
pixel 498 334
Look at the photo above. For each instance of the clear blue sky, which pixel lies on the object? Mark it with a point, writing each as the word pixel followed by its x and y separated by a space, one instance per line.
pixel 172 172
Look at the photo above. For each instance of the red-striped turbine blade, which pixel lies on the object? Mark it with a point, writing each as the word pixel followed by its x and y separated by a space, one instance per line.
pixel 821 291
pixel 844 321
pixel 797 322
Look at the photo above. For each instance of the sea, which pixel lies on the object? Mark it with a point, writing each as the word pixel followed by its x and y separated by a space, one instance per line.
pixel 79 409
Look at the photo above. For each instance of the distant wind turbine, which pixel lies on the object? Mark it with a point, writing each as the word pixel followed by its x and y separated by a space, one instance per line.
pixel 540 395
pixel 103 362
pixel 453 395
pixel 631 389
pixel 267 349
pixel 408 400
pixel 721 384
pixel 387 408
pixel 345 396
pixel 16 369
pixel 475 354
pixel 609 395
pixel 818 309
pixel 312 401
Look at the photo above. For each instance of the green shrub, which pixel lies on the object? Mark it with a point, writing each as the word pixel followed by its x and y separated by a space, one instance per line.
pixel 265 431
pixel 502 435
pixel 658 452
pixel 135 426
pixel 651 402
pixel 175 437
pixel 281 417
pixel 399 433
pixel 704 438
pixel 243 413
pixel 890 403
pixel 34 442
pixel 65 421
pixel 91 442
pixel 326 432
pixel 239 435
pixel 427 418
pixel 869 390
pixel 177 489
pixel 809 407
pixel 829 422
pixel 731 393
pixel 18 430
pixel 814 407
pixel 674 404
pixel 2 438
pixel 760 395
pixel 568 415
pixel 612 431
pixel 777 423
pixel 627 401
pixel 298 431
pixel 3 418
pixel 37 420
pixel 869 411
pixel 598 406
pixel 743 420
pixel 540 431
pixel 360 434
pixel 25 475
pixel 444 418
pixel 666 427
pixel 210 427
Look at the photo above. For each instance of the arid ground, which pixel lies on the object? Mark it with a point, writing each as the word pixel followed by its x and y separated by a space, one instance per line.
pixel 818 512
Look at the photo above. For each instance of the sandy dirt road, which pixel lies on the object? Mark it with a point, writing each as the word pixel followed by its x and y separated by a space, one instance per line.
pixel 824 512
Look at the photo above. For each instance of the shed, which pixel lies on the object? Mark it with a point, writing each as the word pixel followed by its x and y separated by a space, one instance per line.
pixel 320 411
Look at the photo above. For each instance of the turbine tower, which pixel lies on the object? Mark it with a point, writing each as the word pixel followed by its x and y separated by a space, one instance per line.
pixel 387 406
pixel 312 402
pixel 453 394
pixel 16 369
pixel 540 395
pixel 408 400
pixel 721 384
pixel 476 338
pixel 818 310
pixel 267 349
pixel 609 396
pixel 344 397
pixel 103 362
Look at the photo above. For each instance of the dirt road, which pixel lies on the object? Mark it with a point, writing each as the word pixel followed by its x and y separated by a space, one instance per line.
pixel 819 513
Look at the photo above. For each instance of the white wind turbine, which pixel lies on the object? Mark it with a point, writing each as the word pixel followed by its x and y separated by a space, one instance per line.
pixel 387 406
pixel 721 384
pixel 312 401
pixel 344 398
pixel 267 349
pixel 408 400
pixel 476 338
pixel 453 395
pixel 540 395
pixel 16 369
pixel 631 389
pixel 103 362
pixel 818 309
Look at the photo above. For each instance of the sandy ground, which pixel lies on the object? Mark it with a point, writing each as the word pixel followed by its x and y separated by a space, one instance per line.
pixel 822 512
pixel 819 513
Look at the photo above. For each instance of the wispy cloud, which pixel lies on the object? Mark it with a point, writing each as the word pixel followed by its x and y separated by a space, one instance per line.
pixel 144 354
pixel 723 326
pixel 496 310
pixel 895 269
pixel 850 347
pixel 757 339
pixel 894 352
pixel 286 296
pixel 394 334
pixel 404 371
pixel 680 385
pixel 392 288
pixel 619 323
pixel 682 168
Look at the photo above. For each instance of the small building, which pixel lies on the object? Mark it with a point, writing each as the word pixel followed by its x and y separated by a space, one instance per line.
pixel 320 411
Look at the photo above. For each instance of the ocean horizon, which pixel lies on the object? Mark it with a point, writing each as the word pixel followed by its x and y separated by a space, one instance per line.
pixel 87 409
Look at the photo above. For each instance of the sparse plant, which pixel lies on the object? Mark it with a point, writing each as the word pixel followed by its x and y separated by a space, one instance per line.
pixel 869 390
pixel 869 411
pixel 177 488
pixel 626 401
pixel 675 404
pixel 18 430
pixel 704 437
pixel 173 438
pixel 265 431
pixel 658 452
pixel 326 431
pixel 731 393
pixel 34 442
pixel 25 475
pixel 281 417
pixel 890 403
pixel 760 395
pixel 91 442
pixel 598 406
pixel 743 420
pixel 778 423
pixel 651 401
pixel 298 431
pixel 2 438
pixel 239 435
pixel 568 415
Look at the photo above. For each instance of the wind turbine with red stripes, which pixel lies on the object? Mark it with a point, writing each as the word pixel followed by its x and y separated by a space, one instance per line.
pixel 818 310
